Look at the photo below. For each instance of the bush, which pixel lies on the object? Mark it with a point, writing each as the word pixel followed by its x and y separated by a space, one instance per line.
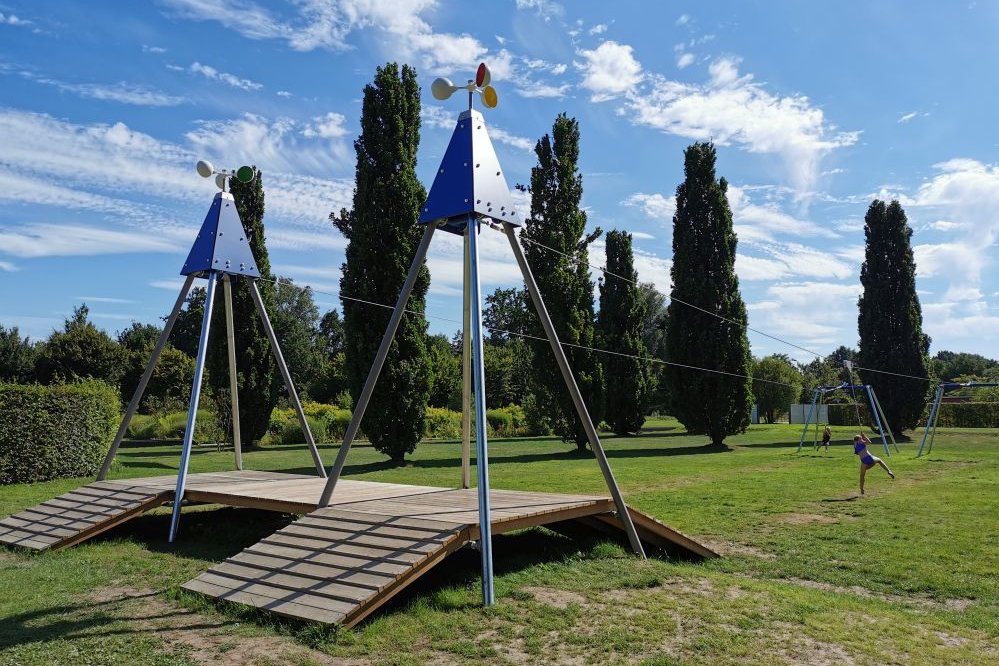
pixel 337 421
pixel 442 423
pixel 51 432
pixel 291 432
pixel 142 426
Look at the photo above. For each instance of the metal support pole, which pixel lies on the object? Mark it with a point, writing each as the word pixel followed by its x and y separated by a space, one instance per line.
pixel 884 420
pixel 481 444
pixel 192 409
pixel 237 446
pixel 288 384
pixel 376 365
pixel 877 418
pixel 818 417
pixel 144 380
pixel 808 420
pixel 466 372
pixel 933 433
pixel 577 398
pixel 931 421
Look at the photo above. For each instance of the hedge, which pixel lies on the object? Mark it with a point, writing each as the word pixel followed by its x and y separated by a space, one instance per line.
pixel 51 432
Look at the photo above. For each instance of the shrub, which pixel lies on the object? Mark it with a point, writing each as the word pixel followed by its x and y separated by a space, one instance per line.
pixel 291 432
pixel 442 423
pixel 51 432
pixel 172 425
pixel 337 421
pixel 142 426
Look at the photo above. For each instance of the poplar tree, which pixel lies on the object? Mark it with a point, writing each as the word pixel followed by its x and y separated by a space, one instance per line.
pixel 629 381
pixel 383 233
pixel 256 372
pixel 890 318
pixel 703 275
pixel 558 222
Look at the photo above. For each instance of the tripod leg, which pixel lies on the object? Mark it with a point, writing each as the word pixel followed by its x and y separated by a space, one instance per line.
pixel 237 446
pixel 288 384
pixel 577 398
pixel 144 380
pixel 192 409
pixel 376 365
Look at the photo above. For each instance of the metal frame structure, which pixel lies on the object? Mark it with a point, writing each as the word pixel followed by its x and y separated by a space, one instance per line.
pixel 874 404
pixel 470 193
pixel 930 431
pixel 221 250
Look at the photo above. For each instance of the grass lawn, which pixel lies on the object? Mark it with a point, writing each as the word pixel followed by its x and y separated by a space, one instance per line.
pixel 812 572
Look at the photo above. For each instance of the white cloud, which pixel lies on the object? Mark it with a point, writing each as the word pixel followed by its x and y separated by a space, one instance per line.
pixel 610 70
pixel 13 19
pixel 329 126
pixel 730 108
pixel 684 19
pixel 283 93
pixel 812 314
pixel 8 267
pixel 213 74
pixel 122 92
pixel 598 29
pixel 685 60
pixel 276 145
pixel 906 117
pixel 153 49
pixel 545 8
pixel 104 299
pixel 106 169
pixel 62 240
pixel 641 235
pixel 654 205
pixel 770 220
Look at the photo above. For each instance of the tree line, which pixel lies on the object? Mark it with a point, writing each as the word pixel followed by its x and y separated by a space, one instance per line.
pixel 685 353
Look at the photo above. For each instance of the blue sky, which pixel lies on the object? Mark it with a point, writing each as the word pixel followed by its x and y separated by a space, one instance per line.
pixel 815 109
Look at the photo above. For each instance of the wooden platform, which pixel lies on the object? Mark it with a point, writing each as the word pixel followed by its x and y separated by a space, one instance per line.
pixel 337 564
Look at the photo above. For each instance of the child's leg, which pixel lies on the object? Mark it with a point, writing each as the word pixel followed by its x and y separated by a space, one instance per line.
pixel 882 463
pixel 863 473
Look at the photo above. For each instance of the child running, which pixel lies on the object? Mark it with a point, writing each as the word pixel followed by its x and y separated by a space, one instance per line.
pixel 826 436
pixel 867 461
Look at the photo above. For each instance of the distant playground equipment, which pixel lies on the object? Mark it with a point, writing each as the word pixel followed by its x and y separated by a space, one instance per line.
pixel 930 431
pixel 880 422
pixel 360 542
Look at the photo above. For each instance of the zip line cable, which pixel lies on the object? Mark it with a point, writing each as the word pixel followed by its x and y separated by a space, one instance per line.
pixel 706 311
pixel 647 359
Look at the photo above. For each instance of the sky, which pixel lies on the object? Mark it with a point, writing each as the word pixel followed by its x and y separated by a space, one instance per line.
pixel 815 110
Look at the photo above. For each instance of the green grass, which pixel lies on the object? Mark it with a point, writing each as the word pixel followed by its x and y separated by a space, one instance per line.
pixel 812 572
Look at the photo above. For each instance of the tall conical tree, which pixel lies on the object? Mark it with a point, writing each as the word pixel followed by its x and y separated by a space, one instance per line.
pixel 557 222
pixel 621 323
pixel 890 319
pixel 703 275
pixel 383 234
pixel 257 374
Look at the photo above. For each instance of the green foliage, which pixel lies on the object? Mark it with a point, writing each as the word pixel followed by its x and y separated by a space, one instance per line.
pixel 173 425
pixel 703 274
pixel 17 357
pixel 331 379
pixel 654 339
pixel 296 324
pixel 51 432
pixel 383 232
pixel 558 222
pixel 169 387
pixel 776 384
pixel 80 351
pixel 890 319
pixel 187 328
pixel 442 423
pixel 445 386
pixel 951 366
pixel 621 325
pixel 507 311
pixel 508 368
pixel 139 337
pixel 257 375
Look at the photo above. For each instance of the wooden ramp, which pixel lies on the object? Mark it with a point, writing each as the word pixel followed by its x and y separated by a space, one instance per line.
pixel 79 515
pixel 337 564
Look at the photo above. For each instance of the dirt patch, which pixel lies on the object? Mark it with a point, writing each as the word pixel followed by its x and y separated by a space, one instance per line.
pixel 925 602
pixel 806 519
pixel 801 648
pixel 556 598
pixel 729 548
pixel 951 641
pixel 206 640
